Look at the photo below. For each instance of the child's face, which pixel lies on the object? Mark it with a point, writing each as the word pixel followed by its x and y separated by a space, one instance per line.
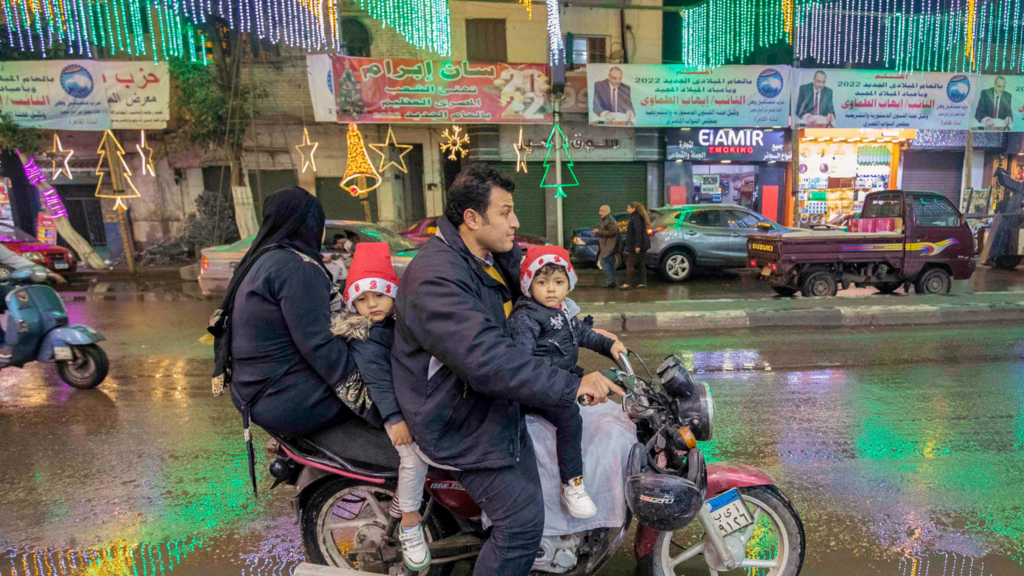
pixel 550 289
pixel 374 305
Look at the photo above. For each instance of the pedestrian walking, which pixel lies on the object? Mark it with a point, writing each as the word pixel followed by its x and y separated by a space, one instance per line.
pixel 608 244
pixel 638 242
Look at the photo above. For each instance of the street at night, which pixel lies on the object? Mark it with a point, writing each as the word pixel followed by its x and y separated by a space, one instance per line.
pixel 901 448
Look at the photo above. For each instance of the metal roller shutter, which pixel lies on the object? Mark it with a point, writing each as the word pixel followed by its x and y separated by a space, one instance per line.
pixel 339 204
pixel 940 172
pixel 613 183
pixel 529 197
pixel 270 181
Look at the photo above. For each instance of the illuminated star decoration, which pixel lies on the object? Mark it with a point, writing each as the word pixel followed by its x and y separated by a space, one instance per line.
pixel 454 143
pixel 147 155
pixel 126 172
pixel 522 152
pixel 305 149
pixel 385 149
pixel 58 153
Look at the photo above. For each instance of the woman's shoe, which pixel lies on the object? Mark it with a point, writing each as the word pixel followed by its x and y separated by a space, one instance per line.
pixel 625 287
pixel 641 286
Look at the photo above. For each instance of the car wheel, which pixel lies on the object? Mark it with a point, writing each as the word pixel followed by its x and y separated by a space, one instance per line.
pixel 677 266
pixel 817 284
pixel 934 281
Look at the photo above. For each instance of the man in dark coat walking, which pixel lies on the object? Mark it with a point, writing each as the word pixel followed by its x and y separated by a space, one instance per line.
pixel 459 377
pixel 608 241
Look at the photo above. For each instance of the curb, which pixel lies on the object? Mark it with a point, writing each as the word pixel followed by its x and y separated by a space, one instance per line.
pixel 69 297
pixel 832 317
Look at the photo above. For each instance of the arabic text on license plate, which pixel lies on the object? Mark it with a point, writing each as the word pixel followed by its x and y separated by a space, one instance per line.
pixel 60 265
pixel 62 353
pixel 766 271
pixel 729 513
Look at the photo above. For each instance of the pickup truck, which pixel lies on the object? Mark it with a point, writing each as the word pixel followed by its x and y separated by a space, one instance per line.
pixel 902 238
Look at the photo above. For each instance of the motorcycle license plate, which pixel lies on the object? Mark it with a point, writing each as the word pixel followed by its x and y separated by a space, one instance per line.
pixel 62 353
pixel 60 265
pixel 729 513
pixel 766 271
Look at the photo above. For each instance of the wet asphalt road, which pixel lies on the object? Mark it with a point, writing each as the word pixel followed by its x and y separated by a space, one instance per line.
pixel 902 449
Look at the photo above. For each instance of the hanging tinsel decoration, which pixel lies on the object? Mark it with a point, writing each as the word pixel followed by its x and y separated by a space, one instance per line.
pixel 556 44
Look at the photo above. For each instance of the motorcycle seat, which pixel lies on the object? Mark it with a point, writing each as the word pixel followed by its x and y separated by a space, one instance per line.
pixel 356 441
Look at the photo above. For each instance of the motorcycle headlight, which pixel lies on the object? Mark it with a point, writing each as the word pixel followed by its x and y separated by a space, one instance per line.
pixel 696 412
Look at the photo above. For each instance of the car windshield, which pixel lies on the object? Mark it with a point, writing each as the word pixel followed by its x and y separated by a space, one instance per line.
pixel 9 234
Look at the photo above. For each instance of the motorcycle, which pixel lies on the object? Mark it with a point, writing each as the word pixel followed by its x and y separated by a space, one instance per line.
pixel 345 482
pixel 45 336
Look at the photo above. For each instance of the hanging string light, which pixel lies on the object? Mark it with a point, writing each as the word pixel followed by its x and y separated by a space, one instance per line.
pixel 423 23
pixel 556 45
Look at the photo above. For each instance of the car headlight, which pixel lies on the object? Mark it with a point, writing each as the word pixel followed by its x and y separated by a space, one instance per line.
pixel 32 256
pixel 579 241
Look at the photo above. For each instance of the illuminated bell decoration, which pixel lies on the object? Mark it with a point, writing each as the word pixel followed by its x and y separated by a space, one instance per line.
pixel 58 154
pixel 454 143
pixel 126 173
pixel 358 166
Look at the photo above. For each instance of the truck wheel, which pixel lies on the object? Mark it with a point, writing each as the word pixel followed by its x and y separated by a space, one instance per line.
pixel 820 283
pixel 1006 262
pixel 933 281
pixel 888 288
pixel 785 291
pixel 677 266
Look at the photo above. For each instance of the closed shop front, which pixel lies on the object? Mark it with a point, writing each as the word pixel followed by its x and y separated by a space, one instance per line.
pixel 528 197
pixel 265 183
pixel 613 183
pixel 934 171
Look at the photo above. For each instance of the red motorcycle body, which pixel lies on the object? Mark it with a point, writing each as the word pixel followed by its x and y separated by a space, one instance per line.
pixel 450 494
pixel 722 476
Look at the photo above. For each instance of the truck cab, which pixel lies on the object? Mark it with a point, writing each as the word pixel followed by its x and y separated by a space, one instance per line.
pixel 902 238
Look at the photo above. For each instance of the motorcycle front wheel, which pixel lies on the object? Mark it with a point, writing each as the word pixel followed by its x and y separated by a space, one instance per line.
pixel 87 368
pixel 344 522
pixel 775 548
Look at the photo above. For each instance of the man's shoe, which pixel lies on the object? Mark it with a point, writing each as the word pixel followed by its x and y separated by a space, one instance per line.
pixel 6 352
pixel 414 548
pixel 610 285
pixel 575 498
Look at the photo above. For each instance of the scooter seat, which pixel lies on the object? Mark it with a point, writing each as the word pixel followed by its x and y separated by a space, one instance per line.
pixel 358 442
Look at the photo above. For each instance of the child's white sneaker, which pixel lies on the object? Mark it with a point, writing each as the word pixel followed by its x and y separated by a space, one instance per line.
pixel 414 548
pixel 575 498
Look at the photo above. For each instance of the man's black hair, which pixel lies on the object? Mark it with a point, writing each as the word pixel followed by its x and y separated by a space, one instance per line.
pixel 472 191
pixel 337 237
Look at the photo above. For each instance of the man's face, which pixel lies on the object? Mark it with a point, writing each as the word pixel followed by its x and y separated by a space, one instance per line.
pixel 604 211
pixel 615 78
pixel 497 232
pixel 999 85
pixel 819 81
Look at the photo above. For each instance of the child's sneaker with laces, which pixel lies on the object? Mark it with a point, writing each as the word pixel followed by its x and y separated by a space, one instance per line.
pixel 575 498
pixel 414 548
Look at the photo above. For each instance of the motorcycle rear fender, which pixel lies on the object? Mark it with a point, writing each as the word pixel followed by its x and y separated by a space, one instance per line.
pixel 722 476
pixel 75 335
pixel 307 478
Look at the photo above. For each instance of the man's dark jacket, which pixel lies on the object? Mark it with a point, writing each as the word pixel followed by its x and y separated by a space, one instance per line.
pixel 458 375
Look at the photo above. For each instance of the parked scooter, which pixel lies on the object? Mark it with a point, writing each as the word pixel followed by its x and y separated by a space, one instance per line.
pixel 45 336
pixel 349 515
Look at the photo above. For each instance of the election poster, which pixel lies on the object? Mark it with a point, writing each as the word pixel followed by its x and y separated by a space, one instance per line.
pixel 320 74
pixel 670 95
pixel 420 91
pixel 999 105
pixel 138 94
pixel 826 98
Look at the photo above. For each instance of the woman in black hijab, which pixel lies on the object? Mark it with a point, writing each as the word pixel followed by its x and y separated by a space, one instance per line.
pixel 285 361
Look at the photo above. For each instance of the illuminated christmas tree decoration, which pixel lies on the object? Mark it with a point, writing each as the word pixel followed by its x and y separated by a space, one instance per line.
pixel 521 152
pixel 119 191
pixel 358 169
pixel 384 150
pixel 146 153
pixel 544 182
pixel 454 143
pixel 306 150
pixel 59 154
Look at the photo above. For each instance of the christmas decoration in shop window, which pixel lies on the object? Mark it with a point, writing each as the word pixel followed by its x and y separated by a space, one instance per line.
pixel 454 143
pixel 522 151
pixel 359 172
pixel 147 155
pixel 306 150
pixel 384 150
pixel 120 174
pixel 58 154
pixel 547 182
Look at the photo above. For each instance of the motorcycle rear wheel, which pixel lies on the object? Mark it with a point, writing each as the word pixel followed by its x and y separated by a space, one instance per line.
pixel 87 370
pixel 775 549
pixel 358 513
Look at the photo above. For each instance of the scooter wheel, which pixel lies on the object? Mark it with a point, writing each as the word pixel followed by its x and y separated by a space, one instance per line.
pixel 88 368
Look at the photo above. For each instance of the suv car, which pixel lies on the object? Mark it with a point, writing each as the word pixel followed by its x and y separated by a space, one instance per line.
pixel 704 235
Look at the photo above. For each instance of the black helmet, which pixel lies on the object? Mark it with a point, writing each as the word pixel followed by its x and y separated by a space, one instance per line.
pixel 662 501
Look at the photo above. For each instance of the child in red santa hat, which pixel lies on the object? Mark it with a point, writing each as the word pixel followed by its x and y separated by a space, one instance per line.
pixel 547 322
pixel 369 327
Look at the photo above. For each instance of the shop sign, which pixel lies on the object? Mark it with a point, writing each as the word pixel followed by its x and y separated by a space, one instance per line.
pixel 583 142
pixel 716 144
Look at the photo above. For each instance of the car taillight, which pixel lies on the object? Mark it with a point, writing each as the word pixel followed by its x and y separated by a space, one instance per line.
pixel 753 263
pixel 655 230
pixel 773 267
pixel 204 263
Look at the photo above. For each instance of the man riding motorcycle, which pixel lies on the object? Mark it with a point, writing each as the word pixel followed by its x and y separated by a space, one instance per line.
pixel 458 376
pixel 14 262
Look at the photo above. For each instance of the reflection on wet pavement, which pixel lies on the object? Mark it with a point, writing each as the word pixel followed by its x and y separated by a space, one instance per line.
pixel 901 449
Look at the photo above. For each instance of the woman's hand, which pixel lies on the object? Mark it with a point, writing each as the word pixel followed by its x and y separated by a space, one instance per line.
pixel 638 250
pixel 399 434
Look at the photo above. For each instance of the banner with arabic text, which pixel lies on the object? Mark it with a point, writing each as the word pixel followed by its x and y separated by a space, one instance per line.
pixel 671 95
pixel 320 75
pixel 883 99
pixel 391 90
pixel 85 94
pixel 999 106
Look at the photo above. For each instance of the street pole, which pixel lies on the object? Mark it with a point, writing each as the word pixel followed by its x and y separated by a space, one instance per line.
pixel 968 165
pixel 117 183
pixel 794 129
pixel 557 106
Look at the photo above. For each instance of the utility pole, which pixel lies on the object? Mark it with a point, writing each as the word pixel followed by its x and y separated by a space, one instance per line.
pixel 114 159
pixel 557 106
pixel 794 128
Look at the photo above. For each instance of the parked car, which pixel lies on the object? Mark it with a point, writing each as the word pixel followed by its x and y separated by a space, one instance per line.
pixel 55 258
pixel 218 263
pixel 583 248
pixel 903 238
pixel 421 231
pixel 705 236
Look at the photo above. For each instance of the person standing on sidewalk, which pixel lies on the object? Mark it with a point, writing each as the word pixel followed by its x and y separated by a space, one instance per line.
pixel 638 242
pixel 608 242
